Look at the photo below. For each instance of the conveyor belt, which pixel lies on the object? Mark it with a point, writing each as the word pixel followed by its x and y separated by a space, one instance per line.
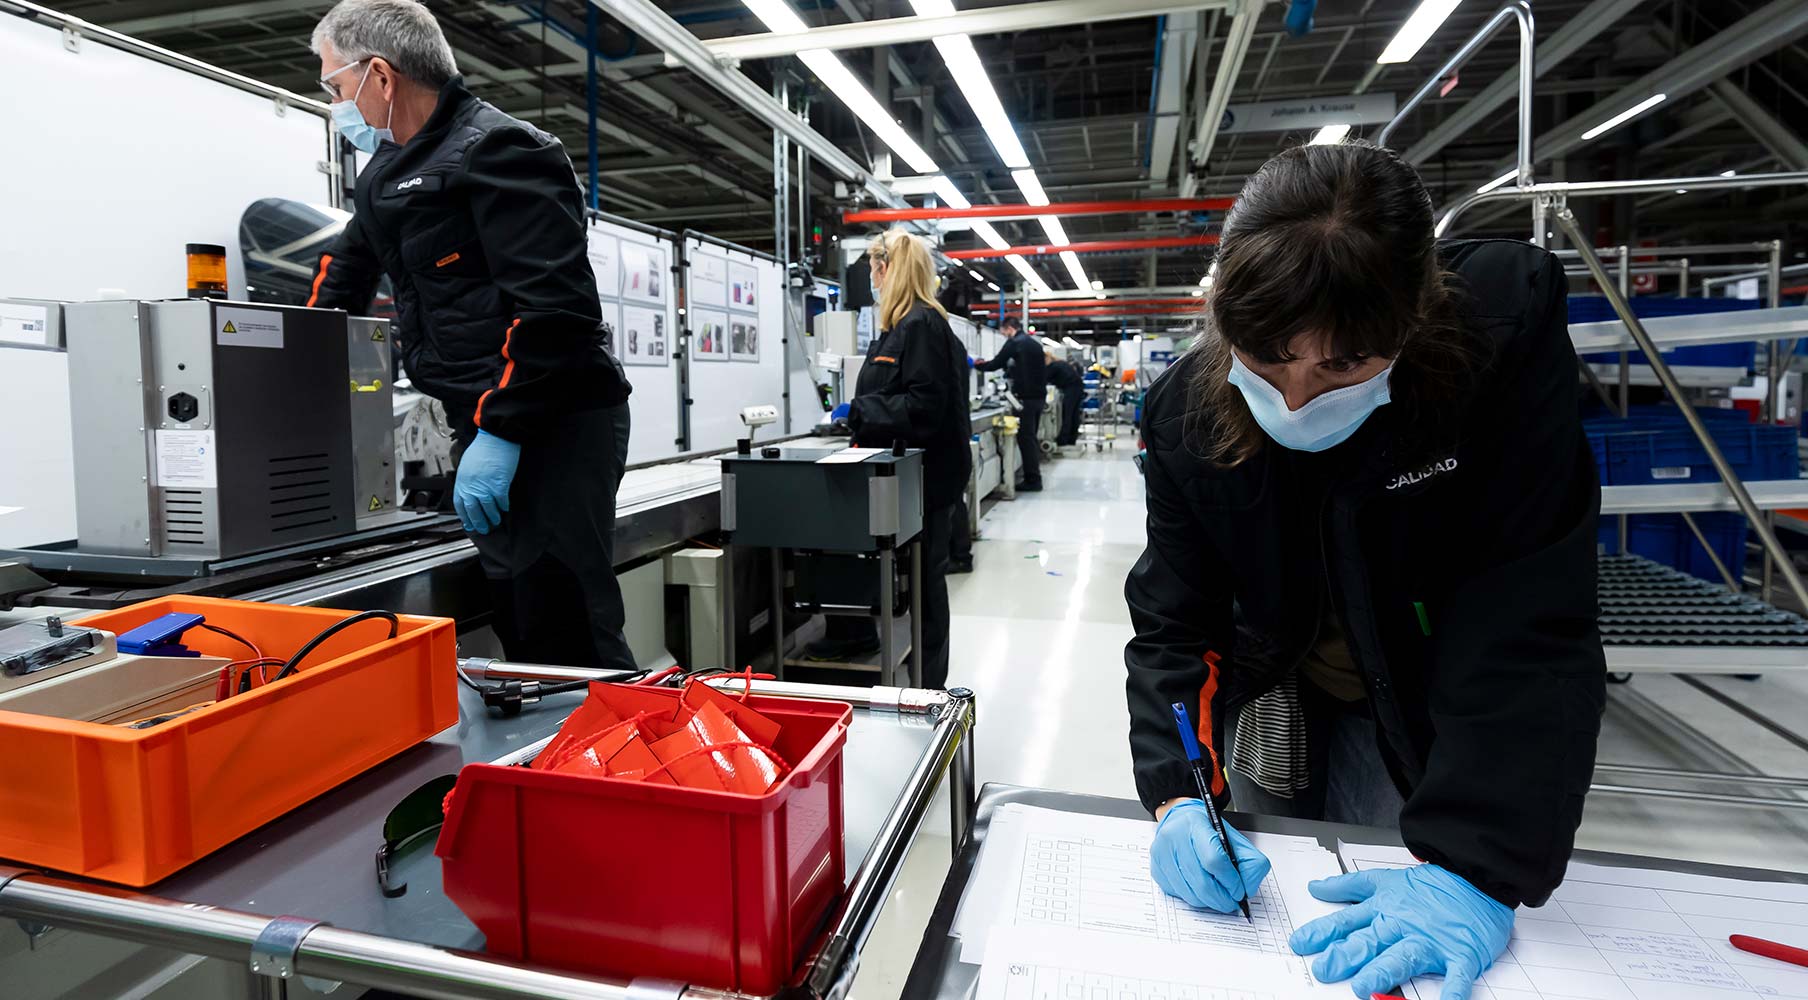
pixel 1657 618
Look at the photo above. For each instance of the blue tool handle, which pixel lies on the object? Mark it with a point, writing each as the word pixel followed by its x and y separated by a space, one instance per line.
pixel 1188 739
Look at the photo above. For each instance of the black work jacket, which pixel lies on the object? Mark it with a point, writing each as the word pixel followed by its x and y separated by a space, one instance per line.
pixel 913 388
pixel 1064 376
pixel 1024 366
pixel 1479 513
pixel 479 223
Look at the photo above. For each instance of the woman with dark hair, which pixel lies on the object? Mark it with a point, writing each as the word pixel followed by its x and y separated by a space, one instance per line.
pixel 1371 568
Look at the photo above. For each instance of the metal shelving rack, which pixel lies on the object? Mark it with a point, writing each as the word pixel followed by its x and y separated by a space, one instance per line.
pixel 1631 633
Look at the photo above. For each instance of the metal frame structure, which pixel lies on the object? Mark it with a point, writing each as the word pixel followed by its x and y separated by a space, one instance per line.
pixel 1551 201
pixel 277 949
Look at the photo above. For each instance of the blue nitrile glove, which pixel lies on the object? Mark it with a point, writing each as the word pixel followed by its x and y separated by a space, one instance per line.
pixel 1189 862
pixel 480 495
pixel 1407 922
pixel 840 412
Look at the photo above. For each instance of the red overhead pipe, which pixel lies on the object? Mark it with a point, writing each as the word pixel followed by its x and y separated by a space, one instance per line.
pixel 1095 246
pixel 1089 303
pixel 1111 311
pixel 1058 209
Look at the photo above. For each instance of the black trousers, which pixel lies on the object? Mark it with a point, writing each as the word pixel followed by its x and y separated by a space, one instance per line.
pixel 938 530
pixel 1029 449
pixel 1070 416
pixel 551 564
pixel 960 542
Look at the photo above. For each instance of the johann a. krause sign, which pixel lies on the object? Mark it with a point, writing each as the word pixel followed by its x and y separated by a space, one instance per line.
pixel 1308 113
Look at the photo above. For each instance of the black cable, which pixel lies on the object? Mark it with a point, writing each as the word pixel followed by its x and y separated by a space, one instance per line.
pixel 335 629
pixel 235 637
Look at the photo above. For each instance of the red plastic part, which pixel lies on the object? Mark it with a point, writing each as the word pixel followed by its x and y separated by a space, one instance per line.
pixel 627 878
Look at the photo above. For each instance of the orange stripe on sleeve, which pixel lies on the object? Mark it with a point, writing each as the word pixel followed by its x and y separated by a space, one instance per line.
pixel 326 260
pixel 508 371
pixel 1207 692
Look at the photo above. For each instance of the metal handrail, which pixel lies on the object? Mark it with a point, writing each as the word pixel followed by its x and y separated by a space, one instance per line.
pixel 1590 188
pixel 1519 11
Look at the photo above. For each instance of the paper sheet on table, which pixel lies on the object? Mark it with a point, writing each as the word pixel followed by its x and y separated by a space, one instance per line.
pixel 848 456
pixel 1042 868
pixel 1025 963
pixel 1635 934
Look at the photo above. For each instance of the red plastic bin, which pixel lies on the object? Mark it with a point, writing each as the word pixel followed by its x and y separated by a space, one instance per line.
pixel 631 879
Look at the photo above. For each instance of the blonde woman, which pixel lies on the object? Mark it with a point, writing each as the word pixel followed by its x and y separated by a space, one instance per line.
pixel 913 388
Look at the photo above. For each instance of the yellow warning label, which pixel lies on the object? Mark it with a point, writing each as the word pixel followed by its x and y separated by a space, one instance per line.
pixel 376 502
pixel 229 328
pixel 376 335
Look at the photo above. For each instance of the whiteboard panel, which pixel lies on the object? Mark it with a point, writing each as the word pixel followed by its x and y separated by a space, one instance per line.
pixel 637 266
pixel 117 161
pixel 722 390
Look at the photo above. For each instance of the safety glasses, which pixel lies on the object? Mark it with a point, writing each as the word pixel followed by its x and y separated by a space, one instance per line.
pixel 420 812
pixel 329 87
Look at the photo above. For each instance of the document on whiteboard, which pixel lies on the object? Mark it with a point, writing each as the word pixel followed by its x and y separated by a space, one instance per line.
pixel 1024 963
pixel 1043 869
pixel 1635 934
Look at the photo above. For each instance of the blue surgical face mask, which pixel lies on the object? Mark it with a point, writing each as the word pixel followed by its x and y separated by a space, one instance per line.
pixel 360 133
pixel 1325 422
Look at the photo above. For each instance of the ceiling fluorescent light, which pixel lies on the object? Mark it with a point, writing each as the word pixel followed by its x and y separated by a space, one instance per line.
pixel 918 185
pixel 1637 109
pixel 1425 20
pixel 970 75
pixel 1329 134
pixel 1031 186
pixel 1051 227
pixel 1078 273
pixel 993 285
pixel 777 15
pixel 950 195
pixel 841 82
pixel 1729 173
pixel 976 275
pixel 1029 274
pixel 1497 182
pixel 989 233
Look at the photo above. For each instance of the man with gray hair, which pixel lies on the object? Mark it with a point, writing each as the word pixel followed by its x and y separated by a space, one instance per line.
pixel 477 219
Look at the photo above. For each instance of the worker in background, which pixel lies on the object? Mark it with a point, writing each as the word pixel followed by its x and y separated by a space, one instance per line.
pixel 913 388
pixel 1021 360
pixel 1370 571
pixel 477 219
pixel 1065 377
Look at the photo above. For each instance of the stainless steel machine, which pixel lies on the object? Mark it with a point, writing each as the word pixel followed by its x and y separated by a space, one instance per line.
pixel 216 429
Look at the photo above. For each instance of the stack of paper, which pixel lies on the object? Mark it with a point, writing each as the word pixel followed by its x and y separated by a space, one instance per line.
pixel 1062 907
pixel 1084 880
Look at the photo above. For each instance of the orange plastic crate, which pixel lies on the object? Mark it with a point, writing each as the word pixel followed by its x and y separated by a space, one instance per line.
pixel 135 805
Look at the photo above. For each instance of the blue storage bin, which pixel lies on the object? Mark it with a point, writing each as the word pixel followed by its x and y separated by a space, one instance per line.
pixel 1594 309
pixel 1664 538
pixel 1654 449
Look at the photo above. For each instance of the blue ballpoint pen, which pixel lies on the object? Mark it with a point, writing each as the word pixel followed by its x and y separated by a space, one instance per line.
pixel 1191 743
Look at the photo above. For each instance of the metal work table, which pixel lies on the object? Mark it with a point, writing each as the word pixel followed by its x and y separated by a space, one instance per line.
pixel 318 863
pixel 938 973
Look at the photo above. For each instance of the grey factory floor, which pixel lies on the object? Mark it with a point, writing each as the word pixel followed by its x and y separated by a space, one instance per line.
pixel 1039 631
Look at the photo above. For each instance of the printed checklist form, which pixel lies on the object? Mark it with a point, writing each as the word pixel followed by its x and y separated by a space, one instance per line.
pixel 1048 871
pixel 1635 934
pixel 1024 963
